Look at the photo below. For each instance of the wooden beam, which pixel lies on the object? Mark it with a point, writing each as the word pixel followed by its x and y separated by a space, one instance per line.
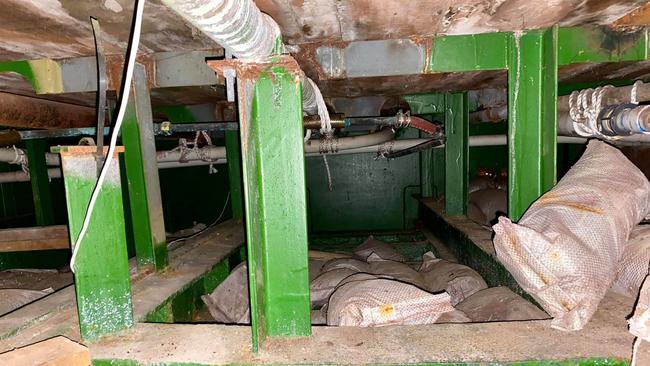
pixel 34 238
pixel 58 351
pixel 29 112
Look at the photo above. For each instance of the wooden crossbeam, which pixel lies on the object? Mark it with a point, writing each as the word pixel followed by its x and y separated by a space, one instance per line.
pixel 34 238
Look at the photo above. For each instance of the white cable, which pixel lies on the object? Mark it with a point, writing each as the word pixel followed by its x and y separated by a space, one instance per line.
pixel 329 175
pixel 133 51
pixel 169 245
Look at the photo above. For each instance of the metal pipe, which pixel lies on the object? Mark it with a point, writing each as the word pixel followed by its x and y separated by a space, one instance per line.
pixel 395 145
pixel 242 29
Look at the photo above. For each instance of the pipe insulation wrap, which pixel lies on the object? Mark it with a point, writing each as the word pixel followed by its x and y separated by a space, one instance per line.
pixel 237 25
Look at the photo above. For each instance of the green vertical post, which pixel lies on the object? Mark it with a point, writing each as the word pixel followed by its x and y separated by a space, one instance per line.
pixel 101 273
pixel 532 120
pixel 456 153
pixel 40 181
pixel 427 173
pixel 276 203
pixel 438 156
pixel 233 153
pixel 142 174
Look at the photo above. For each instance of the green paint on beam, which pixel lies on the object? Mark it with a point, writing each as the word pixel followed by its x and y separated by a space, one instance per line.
pixel 456 153
pixel 601 44
pixel 422 104
pixel 177 113
pixel 233 154
pixel 102 282
pixel 141 170
pixel 574 362
pixel 44 74
pixel 487 51
pixel 40 181
pixel 532 102
pixel 273 168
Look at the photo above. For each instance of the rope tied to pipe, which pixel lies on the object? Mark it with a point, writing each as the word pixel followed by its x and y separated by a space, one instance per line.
pixel 20 158
pixel 328 143
pixel 188 147
pixel 584 108
pixel 385 149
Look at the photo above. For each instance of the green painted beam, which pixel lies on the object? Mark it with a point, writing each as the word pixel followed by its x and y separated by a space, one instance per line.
pixel 40 181
pixel 273 167
pixel 456 153
pixel 145 200
pixel 532 132
pixel 233 154
pixel 601 44
pixel 103 288
pixel 428 103
pixel 490 51
pixel 44 74
pixel 487 51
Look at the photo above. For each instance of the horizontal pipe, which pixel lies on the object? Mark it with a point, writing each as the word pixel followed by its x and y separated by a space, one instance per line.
pixel 395 145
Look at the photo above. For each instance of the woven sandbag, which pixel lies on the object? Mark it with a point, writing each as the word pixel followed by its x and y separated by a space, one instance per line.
pixel 633 266
pixel 383 250
pixel 397 270
pixel 565 249
pixel 324 285
pixel 457 280
pixel 640 320
pixel 499 304
pixel 490 202
pixel 228 303
pixel 349 263
pixel 377 302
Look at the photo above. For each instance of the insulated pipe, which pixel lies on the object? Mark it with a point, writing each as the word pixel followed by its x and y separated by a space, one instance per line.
pixel 395 145
pixel 346 143
pixel 242 29
pixel 237 25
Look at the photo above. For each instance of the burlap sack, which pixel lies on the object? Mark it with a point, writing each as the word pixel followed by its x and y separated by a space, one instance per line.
pixel 378 302
pixel 457 280
pixel 499 304
pixel 633 267
pixel 565 249
pixel 383 250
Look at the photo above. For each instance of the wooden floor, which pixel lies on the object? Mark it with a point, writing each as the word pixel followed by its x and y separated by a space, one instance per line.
pixel 57 313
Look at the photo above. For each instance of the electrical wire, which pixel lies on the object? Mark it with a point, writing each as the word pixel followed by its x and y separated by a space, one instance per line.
pixel 204 229
pixel 132 51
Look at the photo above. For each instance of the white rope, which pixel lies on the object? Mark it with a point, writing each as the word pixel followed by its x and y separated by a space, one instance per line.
pixel 584 108
pixel 385 149
pixel 307 135
pixel 20 158
pixel 329 175
pixel 633 93
pixel 130 64
pixel 326 130
pixel 325 123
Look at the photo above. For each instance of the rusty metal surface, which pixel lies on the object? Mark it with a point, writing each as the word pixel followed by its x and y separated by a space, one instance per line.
pixel 347 20
pixel 21 111
pixel 60 29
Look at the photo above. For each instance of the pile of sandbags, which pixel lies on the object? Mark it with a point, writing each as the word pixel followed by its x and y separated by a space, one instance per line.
pixel 565 250
pixel 376 287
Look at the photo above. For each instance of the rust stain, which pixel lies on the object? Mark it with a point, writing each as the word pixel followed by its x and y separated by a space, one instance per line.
pixel 638 17
pixel 551 200
pixel 386 310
